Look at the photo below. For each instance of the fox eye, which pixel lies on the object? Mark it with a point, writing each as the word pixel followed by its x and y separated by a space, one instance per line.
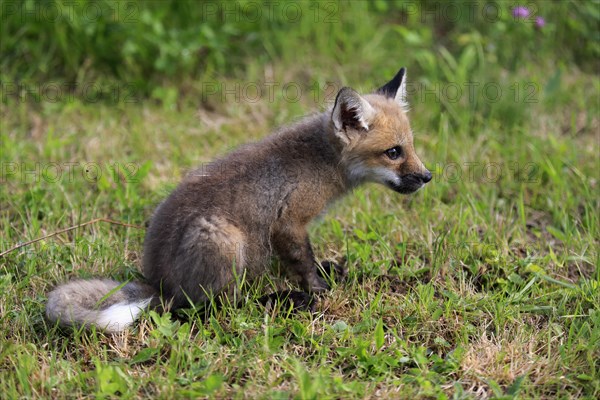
pixel 394 153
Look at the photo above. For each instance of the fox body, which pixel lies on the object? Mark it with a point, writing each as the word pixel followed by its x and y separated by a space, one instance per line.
pixel 228 219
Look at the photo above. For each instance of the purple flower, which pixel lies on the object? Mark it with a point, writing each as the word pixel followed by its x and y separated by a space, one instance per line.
pixel 520 12
pixel 540 22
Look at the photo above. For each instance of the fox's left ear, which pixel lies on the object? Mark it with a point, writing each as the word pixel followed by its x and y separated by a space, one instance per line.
pixel 396 88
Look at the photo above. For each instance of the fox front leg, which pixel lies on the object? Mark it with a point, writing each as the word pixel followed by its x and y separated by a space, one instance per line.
pixel 294 249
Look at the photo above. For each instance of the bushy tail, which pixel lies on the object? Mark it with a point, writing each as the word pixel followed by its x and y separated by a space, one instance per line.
pixel 100 302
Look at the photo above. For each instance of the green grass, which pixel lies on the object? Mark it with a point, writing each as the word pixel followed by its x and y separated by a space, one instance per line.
pixel 484 284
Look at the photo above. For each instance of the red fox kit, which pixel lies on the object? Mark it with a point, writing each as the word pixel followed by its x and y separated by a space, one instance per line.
pixel 228 220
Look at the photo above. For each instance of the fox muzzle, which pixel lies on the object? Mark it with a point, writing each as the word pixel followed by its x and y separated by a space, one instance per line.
pixel 410 183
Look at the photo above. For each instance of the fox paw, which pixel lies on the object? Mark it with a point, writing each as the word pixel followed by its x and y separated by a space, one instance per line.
pixel 331 270
pixel 286 299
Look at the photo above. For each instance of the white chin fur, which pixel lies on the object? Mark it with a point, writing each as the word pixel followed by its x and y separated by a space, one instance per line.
pixel 359 173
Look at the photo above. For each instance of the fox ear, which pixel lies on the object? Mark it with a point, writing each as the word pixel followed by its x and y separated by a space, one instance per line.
pixel 396 88
pixel 351 111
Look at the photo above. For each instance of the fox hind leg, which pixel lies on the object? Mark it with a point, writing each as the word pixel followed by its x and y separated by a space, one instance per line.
pixel 212 257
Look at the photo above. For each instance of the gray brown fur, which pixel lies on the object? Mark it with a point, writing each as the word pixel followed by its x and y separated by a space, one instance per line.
pixel 234 215
pixel 229 218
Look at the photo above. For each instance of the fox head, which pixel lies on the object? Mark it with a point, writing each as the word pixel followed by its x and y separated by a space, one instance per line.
pixel 375 139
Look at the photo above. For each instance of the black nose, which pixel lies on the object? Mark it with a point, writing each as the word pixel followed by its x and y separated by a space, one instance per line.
pixel 426 177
